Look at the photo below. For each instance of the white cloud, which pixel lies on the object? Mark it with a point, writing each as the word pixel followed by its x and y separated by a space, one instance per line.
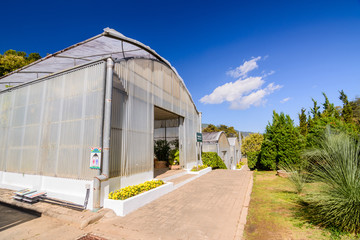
pixel 285 100
pixel 244 69
pixel 244 92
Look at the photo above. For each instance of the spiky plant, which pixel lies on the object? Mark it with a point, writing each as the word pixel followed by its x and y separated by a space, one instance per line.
pixel 296 175
pixel 336 164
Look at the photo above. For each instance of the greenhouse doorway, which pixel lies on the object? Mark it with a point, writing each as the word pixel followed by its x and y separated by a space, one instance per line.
pixel 166 136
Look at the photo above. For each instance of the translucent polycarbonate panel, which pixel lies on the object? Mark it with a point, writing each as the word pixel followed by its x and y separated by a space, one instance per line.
pixel 49 126
pixel 148 84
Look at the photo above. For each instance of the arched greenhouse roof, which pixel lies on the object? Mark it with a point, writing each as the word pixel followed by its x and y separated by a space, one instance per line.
pixel 211 137
pixel 110 43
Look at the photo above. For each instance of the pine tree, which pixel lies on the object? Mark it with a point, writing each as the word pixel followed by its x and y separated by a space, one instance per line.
pixel 303 125
pixel 315 110
pixel 347 112
pixel 282 143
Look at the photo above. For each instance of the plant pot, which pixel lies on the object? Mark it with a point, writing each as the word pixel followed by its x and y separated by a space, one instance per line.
pixel 160 164
pixel 174 167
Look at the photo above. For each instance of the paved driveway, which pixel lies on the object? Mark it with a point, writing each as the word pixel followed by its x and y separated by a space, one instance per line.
pixel 207 208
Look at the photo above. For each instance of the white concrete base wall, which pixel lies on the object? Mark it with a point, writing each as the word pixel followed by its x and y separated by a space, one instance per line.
pixel 124 207
pixel 72 190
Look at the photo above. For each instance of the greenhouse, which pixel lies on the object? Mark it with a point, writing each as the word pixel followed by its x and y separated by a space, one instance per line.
pixel 87 116
pixel 218 142
pixel 235 151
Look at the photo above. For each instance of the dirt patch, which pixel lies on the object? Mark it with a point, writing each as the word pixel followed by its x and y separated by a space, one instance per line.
pixel 90 236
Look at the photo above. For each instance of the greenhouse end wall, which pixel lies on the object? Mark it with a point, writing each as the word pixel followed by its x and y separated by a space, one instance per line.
pixel 139 85
pixel 48 126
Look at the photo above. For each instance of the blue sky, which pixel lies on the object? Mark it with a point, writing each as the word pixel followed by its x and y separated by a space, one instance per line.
pixel 275 50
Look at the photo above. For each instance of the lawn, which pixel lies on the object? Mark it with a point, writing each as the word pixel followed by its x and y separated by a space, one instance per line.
pixel 274 211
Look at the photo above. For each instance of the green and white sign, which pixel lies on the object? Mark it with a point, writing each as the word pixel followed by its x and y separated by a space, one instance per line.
pixel 199 137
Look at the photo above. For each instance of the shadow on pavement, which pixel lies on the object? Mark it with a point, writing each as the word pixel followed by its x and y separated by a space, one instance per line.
pixel 11 216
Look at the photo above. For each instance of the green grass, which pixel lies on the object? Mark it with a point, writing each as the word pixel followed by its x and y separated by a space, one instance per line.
pixel 276 212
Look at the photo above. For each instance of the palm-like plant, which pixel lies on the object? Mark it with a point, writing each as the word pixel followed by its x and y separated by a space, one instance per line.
pixel 296 175
pixel 336 164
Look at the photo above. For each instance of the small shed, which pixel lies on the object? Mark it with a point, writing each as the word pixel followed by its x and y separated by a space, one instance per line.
pixel 235 151
pixel 217 142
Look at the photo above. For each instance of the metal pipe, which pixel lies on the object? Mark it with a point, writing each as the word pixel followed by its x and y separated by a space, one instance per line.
pixel 106 135
pixel 107 117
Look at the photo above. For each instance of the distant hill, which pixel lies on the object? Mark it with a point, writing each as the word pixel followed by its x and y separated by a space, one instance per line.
pixel 244 134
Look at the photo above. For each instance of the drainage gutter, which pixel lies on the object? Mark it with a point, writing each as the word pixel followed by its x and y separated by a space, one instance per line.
pixel 104 176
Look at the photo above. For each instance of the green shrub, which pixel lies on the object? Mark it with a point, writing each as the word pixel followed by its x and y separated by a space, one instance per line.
pixel 131 191
pixel 282 143
pixel 252 158
pixel 212 160
pixel 336 165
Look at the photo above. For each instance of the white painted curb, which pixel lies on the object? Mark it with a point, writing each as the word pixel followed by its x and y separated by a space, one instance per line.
pixel 201 172
pixel 124 207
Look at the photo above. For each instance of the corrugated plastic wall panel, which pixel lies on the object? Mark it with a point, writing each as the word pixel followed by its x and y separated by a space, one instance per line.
pixel 48 127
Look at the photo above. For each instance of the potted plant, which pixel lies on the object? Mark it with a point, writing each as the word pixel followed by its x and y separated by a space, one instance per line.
pixel 161 151
pixel 174 160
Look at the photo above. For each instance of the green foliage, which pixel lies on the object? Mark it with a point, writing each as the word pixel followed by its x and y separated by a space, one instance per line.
pixel 355 105
pixel 174 157
pixel 162 150
pixel 329 109
pixel 134 190
pixel 330 116
pixel 252 159
pixel 315 110
pixel 319 125
pixel 336 165
pixel 251 143
pixel 296 175
pixel 212 160
pixel 12 60
pixel 229 131
pixel 347 113
pixel 303 125
pixel 282 143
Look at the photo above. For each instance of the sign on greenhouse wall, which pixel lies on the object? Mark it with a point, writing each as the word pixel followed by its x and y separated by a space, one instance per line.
pixel 199 137
pixel 95 158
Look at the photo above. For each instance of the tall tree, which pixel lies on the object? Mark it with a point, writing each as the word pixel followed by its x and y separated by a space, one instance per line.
pixel 229 131
pixel 329 108
pixel 355 105
pixel 12 60
pixel 210 128
pixel 347 112
pixel 282 143
pixel 251 143
pixel 315 110
pixel 303 125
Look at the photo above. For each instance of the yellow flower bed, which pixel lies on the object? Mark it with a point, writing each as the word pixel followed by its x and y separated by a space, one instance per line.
pixel 239 165
pixel 130 191
pixel 198 168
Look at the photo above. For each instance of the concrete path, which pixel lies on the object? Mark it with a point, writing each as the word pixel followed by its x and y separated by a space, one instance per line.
pixel 210 207
pixel 207 208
